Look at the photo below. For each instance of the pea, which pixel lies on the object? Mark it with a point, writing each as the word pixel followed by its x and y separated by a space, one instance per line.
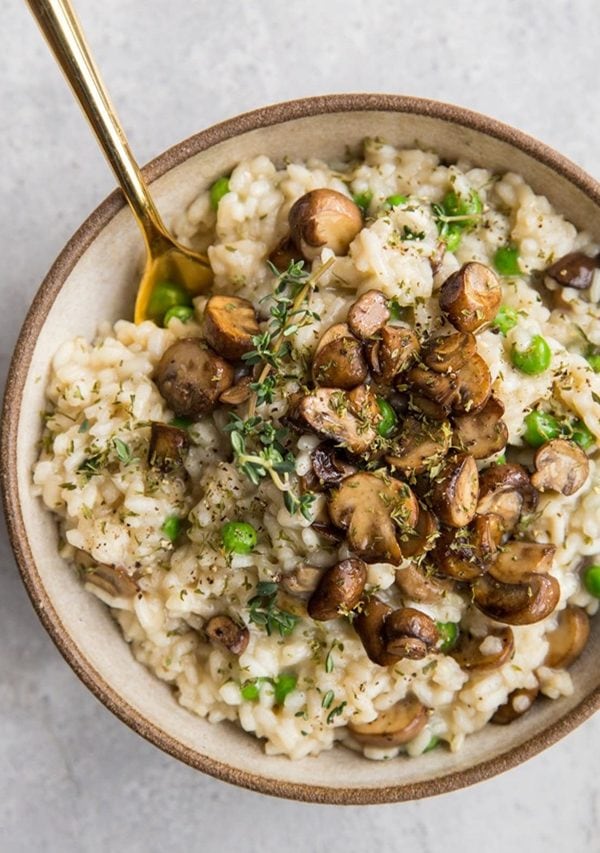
pixel 540 427
pixel 591 580
pixel 593 359
pixel 506 261
pixel 283 685
pixel 453 236
pixel 181 312
pixel 448 632
pixel 500 460
pixel 250 690
pixel 389 418
pixel 534 359
pixel 171 527
pixel 217 191
pixel 166 295
pixel 238 537
pixel 395 200
pixel 432 743
pixel 581 435
pixel 459 205
pixel 505 320
pixel 363 200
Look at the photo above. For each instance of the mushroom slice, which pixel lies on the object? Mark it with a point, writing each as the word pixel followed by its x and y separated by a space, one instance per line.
pixel 112 579
pixel 328 469
pixel 517 558
pixel 423 537
pixel 338 591
pixel 465 554
pixel 374 511
pixel 470 297
pixel 349 418
pixel 302 580
pixel 333 333
pixel 393 353
pixel 340 364
pixel 368 315
pixel 224 630
pixel 399 724
pixel 524 603
pixel 368 624
pixel 167 446
pixel 455 491
pixel 568 639
pixel 327 531
pixel 429 408
pixel 482 433
pixel 506 490
pixel 322 218
pixel 574 270
pixel 191 378
pixel 284 254
pixel 410 633
pixel 518 703
pixel 421 445
pixel 481 654
pixel 229 325
pixel 474 386
pixel 449 352
pixel 238 393
pixel 561 466
pixel 440 388
pixel 417 585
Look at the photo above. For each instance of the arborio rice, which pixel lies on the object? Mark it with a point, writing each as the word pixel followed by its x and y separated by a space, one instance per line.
pixel 120 516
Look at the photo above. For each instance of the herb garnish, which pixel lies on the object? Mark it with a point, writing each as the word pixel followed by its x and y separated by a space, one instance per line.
pixel 335 712
pixel 264 611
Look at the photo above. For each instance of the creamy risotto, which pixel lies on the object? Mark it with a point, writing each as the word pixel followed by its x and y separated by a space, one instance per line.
pixel 352 494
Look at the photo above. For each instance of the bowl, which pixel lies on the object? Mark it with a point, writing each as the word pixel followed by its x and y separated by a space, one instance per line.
pixel 94 278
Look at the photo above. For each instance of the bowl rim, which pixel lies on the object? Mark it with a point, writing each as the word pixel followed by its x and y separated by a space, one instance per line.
pixel 18 371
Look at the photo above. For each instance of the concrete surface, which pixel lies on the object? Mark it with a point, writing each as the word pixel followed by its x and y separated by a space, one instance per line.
pixel 73 778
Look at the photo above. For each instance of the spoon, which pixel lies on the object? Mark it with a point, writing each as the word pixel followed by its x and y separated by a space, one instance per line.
pixel 166 259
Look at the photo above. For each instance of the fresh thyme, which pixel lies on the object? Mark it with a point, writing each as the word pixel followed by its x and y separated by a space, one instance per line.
pixel 265 612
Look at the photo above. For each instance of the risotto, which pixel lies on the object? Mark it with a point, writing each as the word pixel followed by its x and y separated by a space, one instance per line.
pixel 351 495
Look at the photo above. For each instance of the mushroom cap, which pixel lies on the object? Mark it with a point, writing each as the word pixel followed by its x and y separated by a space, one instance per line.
pixel 517 558
pixel 368 315
pixel 347 417
pixel 470 297
pixel 448 353
pixel 397 725
pixel 518 703
pixel 166 447
pixel 473 654
pixel 421 445
pixel 506 490
pixel 340 364
pixel 416 585
pixel 567 641
pixel 455 490
pixel 393 352
pixel 339 589
pixel 483 432
pixel 229 325
pixel 573 270
pixel 324 217
pixel 368 624
pixel 410 633
pixel 191 377
pixel 114 580
pixel 225 631
pixel 524 603
pixel 560 466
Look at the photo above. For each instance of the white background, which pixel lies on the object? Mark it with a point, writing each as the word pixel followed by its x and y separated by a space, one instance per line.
pixel 72 777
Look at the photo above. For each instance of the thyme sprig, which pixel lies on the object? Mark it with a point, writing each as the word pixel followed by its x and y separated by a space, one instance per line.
pixel 264 611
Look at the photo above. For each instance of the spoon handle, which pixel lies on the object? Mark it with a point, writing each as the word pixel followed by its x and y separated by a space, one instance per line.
pixel 65 38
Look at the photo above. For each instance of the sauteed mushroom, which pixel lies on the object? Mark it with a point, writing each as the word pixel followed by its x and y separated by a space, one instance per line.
pixel 421 445
pixel 368 315
pixel 224 630
pixel 322 218
pixel 474 386
pixel 573 270
pixel 518 558
pixel 449 352
pixel 399 724
pixel 167 446
pixel 229 325
pixel 481 654
pixel 518 703
pixel 329 470
pixel 409 633
pixel 395 350
pixel 524 603
pixel 567 641
pixel 466 553
pixel 238 393
pixel 284 253
pixel 302 580
pixel 112 579
pixel 482 433
pixel 506 490
pixel 349 418
pixel 339 590
pixel 439 388
pixel 340 364
pixel 416 585
pixel 561 466
pixel 423 537
pixel 191 377
pixel 470 297
pixel 455 491
pixel 368 624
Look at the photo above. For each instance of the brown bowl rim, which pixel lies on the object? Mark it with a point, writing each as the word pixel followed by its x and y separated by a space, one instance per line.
pixel 83 237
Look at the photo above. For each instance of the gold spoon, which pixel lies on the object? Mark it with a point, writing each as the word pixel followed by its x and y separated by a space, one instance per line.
pixel 166 259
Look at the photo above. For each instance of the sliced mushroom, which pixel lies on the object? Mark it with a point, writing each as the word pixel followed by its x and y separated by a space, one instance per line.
pixel 517 558
pixel 524 603
pixel 322 218
pixel 506 490
pixel 112 579
pixel 327 531
pixel 410 633
pixel 368 315
pixel 338 591
pixel 474 386
pixel 191 378
pixel 455 491
pixel 567 641
pixel 422 538
pixel 399 724
pixel 574 270
pixel 374 511
pixel 481 654
pixel 518 703
pixel 224 630
pixel 284 254
pixel 561 466
pixel 470 297
pixel 328 468
pixel 238 393
pixel 440 388
pixel 416 585
pixel 229 325
pixel 333 333
pixel 302 580
pixel 432 410
pixel 421 445
pixel 466 553
pixel 349 418
pixel 167 447
pixel 368 624
pixel 393 353
pixel 449 353
pixel 483 432
pixel 340 364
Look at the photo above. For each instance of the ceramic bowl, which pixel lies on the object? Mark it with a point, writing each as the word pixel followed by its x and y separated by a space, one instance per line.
pixel 94 278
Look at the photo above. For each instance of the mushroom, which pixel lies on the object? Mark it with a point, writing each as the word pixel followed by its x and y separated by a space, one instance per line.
pixel 368 624
pixel 167 446
pixel 519 701
pixel 523 603
pixel 423 537
pixel 114 580
pixel 229 325
pixel 421 445
pixel 455 490
pixel 340 364
pixel 328 469
pixel 518 558
pixel 466 553
pixel 573 270
pixel 224 630
pixel 449 352
pixel 409 633
pixel 322 218
pixel 393 727
pixel 191 377
pixel 567 641
pixel 368 315
pixel 440 388
pixel 349 418
pixel 393 353
pixel 327 531
pixel 481 654
pixel 506 490
pixel 374 511
pixel 470 297
pixel 474 386
pixel 482 433
pixel 238 393
pixel 339 590
pixel 284 254
pixel 417 585
pixel 560 466
pixel 302 580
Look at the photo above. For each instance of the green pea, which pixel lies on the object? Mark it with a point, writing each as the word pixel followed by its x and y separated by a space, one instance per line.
pixel 166 295
pixel 593 359
pixel 500 460
pixel 452 236
pixel 250 691
pixel 171 527
pixel 238 537
pixel 363 200
pixel 591 580
pixel 284 684
pixel 395 200
pixel 540 427
pixel 389 418
pixel 432 744
pixel 448 632
pixel 534 359
pixel 181 312
pixel 506 261
pixel 460 205
pixel 581 435
pixel 505 320
pixel 217 191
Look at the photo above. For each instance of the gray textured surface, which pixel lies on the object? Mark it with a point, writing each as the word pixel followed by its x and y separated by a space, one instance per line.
pixel 72 777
